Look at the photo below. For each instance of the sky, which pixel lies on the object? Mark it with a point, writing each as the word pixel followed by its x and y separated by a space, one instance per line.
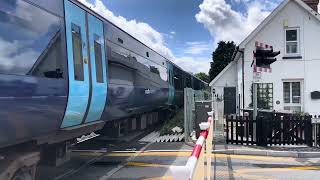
pixel 185 31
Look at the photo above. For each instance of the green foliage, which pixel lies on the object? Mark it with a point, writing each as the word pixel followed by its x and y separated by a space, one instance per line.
pixel 301 114
pixel 177 120
pixel 221 57
pixel 206 95
pixel 203 76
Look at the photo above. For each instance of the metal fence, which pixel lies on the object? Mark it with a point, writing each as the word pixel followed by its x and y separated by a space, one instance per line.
pixel 196 106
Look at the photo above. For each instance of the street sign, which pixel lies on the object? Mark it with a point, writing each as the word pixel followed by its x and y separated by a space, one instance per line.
pixel 257 76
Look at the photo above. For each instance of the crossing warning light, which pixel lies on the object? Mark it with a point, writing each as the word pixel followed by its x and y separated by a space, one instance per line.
pixel 265 57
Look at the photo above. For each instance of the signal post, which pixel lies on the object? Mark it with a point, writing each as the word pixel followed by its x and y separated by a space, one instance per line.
pixel 263 57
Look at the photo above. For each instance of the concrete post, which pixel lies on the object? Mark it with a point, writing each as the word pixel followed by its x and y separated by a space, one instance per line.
pixel 255 109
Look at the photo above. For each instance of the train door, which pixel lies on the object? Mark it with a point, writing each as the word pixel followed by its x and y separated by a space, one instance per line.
pixel 98 69
pixel 171 83
pixel 86 66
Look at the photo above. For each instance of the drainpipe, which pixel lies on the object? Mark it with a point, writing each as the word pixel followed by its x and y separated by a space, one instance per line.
pixel 242 58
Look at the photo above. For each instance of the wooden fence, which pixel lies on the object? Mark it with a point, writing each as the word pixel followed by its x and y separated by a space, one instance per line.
pixel 270 129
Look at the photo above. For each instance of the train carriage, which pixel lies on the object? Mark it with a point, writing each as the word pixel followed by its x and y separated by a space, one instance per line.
pixel 65 71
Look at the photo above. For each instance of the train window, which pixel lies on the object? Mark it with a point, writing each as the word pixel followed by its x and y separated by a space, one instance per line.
pixel 120 40
pixel 77 53
pixel 154 70
pixel 147 53
pixel 177 82
pixel 163 73
pixel 30 41
pixel 98 58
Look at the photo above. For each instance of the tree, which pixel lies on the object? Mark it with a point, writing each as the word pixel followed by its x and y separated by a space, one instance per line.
pixel 221 57
pixel 203 76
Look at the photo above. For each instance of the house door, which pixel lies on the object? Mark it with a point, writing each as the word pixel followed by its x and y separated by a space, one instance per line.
pixel 230 100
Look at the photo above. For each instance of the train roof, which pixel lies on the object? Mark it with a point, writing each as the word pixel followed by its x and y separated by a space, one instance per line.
pixel 104 19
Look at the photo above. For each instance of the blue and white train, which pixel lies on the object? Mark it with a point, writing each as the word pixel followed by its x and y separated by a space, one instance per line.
pixel 65 71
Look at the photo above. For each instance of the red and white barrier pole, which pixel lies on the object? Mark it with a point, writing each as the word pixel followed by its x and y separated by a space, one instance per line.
pixel 194 168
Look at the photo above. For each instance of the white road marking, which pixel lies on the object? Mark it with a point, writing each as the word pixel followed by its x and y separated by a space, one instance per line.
pixel 122 165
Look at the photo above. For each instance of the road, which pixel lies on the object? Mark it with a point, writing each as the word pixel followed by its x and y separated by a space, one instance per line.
pixel 152 165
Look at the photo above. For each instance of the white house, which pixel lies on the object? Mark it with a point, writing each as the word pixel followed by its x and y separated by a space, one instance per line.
pixel 294 83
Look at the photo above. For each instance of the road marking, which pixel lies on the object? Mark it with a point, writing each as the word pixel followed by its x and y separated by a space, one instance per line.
pixel 279 169
pixel 217 174
pixel 258 158
pixel 187 154
pixel 126 154
pixel 160 178
pixel 240 173
pixel 142 164
pixel 163 150
pixel 131 158
pixel 73 171
pixel 221 173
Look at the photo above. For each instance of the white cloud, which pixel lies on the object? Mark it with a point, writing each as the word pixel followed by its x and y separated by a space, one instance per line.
pixel 140 30
pixel 14 55
pixel 226 24
pixel 198 47
pixel 151 37
pixel 193 64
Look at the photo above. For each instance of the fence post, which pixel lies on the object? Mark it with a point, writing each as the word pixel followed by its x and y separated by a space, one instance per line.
pixel 188 116
pixel 260 131
pixel 263 128
pixel 308 130
pixel 209 145
pixel 227 129
pixel 314 128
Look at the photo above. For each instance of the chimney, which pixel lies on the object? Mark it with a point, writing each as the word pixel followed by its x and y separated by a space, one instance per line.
pixel 312 3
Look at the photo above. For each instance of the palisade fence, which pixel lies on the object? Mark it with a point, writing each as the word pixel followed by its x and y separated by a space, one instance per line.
pixel 270 129
pixel 191 99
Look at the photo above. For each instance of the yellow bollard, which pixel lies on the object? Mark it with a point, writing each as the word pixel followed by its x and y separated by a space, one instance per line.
pixel 209 142
pixel 195 168
pixel 200 170
pixel 205 156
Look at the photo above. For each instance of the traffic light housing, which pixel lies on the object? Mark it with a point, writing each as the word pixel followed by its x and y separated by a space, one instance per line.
pixel 265 57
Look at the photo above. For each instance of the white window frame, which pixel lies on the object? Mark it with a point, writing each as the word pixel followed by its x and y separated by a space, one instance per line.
pixel 301 94
pixel 298 41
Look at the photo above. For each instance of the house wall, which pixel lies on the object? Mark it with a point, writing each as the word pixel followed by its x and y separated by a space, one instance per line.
pixel 306 69
pixel 227 79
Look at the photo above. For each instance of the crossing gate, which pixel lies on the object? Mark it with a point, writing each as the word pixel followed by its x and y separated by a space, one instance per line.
pixel 271 129
pixel 198 166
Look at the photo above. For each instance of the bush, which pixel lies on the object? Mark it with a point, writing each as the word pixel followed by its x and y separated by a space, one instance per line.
pixel 177 120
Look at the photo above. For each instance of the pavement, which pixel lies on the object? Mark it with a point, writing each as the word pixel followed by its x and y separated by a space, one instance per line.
pixel 272 151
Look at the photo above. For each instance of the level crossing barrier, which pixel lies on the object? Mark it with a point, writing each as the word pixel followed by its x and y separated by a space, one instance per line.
pixel 195 168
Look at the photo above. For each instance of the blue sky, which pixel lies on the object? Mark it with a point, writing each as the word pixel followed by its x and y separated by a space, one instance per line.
pixel 172 18
pixel 186 32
